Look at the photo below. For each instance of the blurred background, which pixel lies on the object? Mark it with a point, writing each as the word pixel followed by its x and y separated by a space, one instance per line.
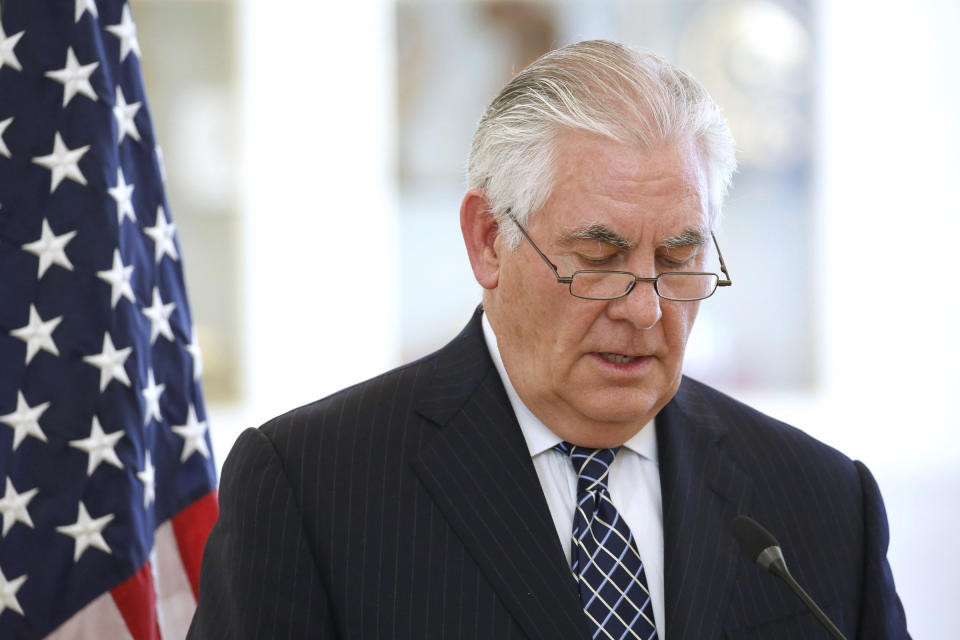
pixel 315 154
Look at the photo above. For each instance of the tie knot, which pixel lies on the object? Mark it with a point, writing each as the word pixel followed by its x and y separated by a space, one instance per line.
pixel 592 466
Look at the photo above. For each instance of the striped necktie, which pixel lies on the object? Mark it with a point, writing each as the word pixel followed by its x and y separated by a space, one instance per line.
pixel 605 560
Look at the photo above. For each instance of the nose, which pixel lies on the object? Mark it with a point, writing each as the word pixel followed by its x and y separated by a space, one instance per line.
pixel 640 307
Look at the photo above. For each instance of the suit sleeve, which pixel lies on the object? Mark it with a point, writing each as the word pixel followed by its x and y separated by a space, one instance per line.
pixel 259 578
pixel 881 613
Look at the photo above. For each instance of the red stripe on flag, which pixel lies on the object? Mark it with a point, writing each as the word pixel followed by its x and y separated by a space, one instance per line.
pixel 137 602
pixel 191 527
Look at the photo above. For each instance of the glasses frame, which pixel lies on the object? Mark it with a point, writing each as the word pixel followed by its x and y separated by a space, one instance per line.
pixel 726 281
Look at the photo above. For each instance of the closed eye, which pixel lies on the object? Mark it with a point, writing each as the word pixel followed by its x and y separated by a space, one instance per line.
pixel 596 262
pixel 599 261
pixel 668 263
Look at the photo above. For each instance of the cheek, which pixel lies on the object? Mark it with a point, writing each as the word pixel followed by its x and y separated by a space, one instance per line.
pixel 532 309
pixel 576 322
pixel 678 318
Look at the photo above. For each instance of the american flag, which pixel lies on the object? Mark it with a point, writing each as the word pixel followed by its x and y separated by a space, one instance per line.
pixel 107 483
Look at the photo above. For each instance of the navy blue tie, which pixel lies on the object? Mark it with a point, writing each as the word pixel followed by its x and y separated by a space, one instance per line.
pixel 605 560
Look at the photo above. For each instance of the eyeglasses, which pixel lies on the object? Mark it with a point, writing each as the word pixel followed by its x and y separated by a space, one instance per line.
pixel 681 286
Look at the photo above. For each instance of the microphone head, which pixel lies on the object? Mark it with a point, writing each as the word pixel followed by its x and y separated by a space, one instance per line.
pixel 753 538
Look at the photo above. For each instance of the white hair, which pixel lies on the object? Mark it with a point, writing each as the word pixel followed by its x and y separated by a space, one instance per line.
pixel 600 87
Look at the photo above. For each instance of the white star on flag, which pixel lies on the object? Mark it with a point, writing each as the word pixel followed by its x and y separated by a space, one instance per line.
pixel 127 32
pixel 159 315
pixel 100 447
pixel 124 114
pixel 13 506
pixel 119 278
pixel 8 593
pixel 193 435
pixel 75 78
pixel 122 194
pixel 50 249
pixel 62 163
pixel 83 5
pixel 86 532
pixel 162 233
pixel 110 362
pixel 4 151
pixel 25 420
pixel 148 478
pixel 194 350
pixel 7 43
pixel 38 334
pixel 151 396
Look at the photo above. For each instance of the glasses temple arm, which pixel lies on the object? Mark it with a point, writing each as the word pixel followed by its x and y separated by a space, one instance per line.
pixel 552 266
pixel 723 265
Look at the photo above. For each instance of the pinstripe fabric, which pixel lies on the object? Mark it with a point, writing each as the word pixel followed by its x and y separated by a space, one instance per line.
pixel 408 507
pixel 719 458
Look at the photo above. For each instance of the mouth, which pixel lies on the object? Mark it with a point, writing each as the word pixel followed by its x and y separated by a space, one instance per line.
pixel 621 361
pixel 618 358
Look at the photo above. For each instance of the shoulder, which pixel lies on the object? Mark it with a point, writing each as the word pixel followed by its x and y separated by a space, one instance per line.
pixel 792 477
pixel 758 440
pixel 351 443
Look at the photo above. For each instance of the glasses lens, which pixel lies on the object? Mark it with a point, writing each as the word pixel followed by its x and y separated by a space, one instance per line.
pixel 600 285
pixel 687 286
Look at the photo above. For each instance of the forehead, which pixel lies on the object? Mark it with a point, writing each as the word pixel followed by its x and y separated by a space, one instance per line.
pixel 641 194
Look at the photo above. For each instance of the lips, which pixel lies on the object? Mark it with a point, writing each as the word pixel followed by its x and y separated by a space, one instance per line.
pixel 623 362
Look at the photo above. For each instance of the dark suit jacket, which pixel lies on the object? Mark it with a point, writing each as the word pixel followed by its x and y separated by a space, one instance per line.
pixel 408 507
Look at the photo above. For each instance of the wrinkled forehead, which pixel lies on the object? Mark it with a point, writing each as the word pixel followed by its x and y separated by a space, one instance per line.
pixel 585 149
pixel 617 193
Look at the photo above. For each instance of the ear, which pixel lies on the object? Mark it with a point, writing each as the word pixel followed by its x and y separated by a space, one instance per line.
pixel 480 232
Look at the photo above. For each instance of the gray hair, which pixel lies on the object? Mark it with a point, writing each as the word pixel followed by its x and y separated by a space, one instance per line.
pixel 599 87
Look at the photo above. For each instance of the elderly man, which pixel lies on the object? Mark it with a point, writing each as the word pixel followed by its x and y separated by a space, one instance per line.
pixel 550 473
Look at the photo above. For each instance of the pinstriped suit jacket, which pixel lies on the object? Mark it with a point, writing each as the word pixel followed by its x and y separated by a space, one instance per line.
pixel 408 507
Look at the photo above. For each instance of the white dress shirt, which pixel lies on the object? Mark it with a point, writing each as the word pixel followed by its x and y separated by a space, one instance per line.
pixel 634 483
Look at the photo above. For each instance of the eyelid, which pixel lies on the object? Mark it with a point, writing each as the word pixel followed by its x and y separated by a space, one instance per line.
pixel 604 252
pixel 678 261
pixel 597 259
pixel 687 251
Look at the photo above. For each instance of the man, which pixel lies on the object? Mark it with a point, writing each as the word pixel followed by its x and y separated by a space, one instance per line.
pixel 550 473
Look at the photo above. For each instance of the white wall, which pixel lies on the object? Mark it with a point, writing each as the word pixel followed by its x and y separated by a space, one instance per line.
pixel 319 227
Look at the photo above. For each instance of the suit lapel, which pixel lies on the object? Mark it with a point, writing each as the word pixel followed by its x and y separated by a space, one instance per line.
pixel 702 490
pixel 478 471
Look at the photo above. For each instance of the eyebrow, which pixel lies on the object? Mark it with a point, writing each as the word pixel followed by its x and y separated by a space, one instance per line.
pixel 598 232
pixel 689 237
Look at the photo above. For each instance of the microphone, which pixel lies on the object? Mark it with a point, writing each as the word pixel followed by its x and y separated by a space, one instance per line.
pixel 759 546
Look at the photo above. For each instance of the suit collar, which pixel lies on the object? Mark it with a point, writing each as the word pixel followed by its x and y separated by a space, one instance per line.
pixel 478 471
pixel 702 489
pixel 460 368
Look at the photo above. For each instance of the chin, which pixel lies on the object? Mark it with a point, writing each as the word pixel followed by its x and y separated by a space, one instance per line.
pixel 621 405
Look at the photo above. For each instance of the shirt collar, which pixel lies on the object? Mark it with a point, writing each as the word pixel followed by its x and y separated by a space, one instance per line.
pixel 538 436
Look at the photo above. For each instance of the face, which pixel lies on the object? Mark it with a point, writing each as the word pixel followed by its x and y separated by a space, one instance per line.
pixel 595 372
